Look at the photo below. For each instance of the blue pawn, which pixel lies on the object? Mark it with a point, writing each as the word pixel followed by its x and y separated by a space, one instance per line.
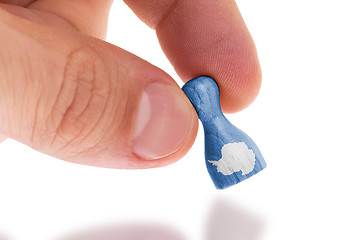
pixel 231 156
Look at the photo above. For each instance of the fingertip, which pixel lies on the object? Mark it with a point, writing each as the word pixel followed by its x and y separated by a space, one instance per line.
pixel 165 126
pixel 207 38
pixel 238 92
pixel 211 39
pixel 182 151
pixel 239 78
pixel 140 163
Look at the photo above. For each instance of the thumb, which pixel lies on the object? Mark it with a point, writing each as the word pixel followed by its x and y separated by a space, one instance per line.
pixel 83 100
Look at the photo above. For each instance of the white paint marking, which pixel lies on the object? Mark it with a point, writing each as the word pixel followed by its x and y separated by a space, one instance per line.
pixel 235 157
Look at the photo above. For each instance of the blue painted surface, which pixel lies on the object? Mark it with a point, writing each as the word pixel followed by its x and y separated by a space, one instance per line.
pixel 203 92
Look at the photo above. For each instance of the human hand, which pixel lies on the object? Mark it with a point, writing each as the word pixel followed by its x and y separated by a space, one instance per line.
pixel 66 93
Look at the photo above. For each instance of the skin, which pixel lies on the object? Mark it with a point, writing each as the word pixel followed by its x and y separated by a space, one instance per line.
pixel 211 39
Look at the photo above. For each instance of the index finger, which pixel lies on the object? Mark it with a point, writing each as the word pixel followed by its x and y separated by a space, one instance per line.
pixel 203 37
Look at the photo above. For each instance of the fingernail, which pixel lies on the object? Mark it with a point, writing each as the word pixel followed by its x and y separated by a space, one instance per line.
pixel 164 121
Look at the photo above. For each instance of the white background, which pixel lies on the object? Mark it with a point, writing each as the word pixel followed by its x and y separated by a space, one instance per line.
pixel 295 121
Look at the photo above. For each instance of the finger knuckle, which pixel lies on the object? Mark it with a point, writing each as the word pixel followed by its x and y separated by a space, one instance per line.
pixel 81 100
